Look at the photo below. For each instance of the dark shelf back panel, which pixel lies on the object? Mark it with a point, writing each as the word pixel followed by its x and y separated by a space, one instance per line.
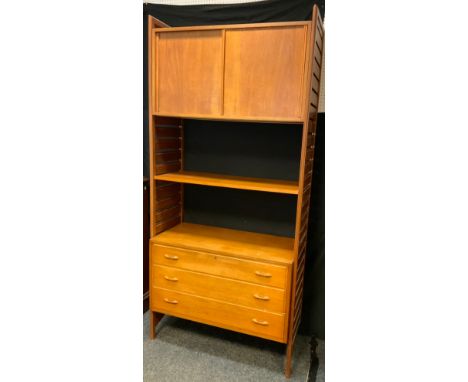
pixel 253 211
pixel 259 150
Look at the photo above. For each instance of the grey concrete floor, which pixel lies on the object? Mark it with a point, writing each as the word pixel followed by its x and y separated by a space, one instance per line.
pixel 320 352
pixel 187 351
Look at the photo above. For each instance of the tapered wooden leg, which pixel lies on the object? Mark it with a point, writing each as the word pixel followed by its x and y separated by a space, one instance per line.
pixel 287 364
pixel 152 332
pixel 154 319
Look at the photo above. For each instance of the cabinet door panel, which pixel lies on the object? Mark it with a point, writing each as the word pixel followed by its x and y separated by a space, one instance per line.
pixel 264 72
pixel 189 72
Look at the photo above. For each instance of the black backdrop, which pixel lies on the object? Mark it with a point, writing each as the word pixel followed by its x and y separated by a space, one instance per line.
pixel 313 320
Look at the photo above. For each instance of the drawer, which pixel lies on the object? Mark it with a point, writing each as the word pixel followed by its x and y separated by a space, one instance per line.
pixel 225 266
pixel 219 288
pixel 229 316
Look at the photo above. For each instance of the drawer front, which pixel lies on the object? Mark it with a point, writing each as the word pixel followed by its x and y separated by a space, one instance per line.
pixel 218 288
pixel 250 321
pixel 225 266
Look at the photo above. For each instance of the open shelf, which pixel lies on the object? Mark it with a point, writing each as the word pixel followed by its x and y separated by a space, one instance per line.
pixel 250 245
pixel 266 213
pixel 229 181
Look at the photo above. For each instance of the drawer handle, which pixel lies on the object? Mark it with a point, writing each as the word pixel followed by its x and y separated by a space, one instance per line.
pixel 169 278
pixel 262 274
pixel 260 297
pixel 264 323
pixel 171 301
pixel 171 257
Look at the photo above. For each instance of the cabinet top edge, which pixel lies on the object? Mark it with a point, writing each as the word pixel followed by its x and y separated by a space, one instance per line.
pixel 233 26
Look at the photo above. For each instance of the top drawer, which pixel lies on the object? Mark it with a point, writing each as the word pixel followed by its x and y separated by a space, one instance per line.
pixel 225 266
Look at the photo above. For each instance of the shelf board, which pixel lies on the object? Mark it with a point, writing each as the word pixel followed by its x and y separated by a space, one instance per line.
pixel 249 245
pixel 228 181
pixel 231 118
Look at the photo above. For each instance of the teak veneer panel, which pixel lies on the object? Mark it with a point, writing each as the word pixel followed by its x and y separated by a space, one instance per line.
pixel 229 181
pixel 249 245
pixel 189 72
pixel 264 72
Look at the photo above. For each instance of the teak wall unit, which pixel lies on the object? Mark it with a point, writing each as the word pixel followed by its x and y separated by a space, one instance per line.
pixel 250 282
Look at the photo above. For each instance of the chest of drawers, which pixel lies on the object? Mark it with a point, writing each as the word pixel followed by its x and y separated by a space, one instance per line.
pixel 242 293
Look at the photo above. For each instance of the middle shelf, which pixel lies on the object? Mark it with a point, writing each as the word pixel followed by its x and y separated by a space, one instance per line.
pixel 229 181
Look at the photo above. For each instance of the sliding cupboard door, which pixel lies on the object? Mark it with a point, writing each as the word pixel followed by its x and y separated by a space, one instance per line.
pixel 189 72
pixel 264 72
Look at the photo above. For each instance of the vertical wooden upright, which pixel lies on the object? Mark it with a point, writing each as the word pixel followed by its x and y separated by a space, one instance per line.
pixel 311 97
pixel 152 23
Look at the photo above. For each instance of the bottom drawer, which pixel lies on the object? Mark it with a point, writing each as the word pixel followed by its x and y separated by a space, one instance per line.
pixel 229 316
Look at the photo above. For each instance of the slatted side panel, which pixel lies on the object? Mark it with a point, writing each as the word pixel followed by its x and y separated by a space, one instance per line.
pixel 317 51
pixel 316 66
pixel 305 207
pixel 167 145
pixel 167 206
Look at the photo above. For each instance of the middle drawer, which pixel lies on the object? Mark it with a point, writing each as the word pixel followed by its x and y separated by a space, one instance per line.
pixel 219 288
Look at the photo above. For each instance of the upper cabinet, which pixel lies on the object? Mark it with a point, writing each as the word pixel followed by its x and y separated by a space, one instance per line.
pixel 249 72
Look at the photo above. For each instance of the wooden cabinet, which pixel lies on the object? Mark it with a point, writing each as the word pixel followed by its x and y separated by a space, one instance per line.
pixel 214 270
pixel 223 286
pixel 231 72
